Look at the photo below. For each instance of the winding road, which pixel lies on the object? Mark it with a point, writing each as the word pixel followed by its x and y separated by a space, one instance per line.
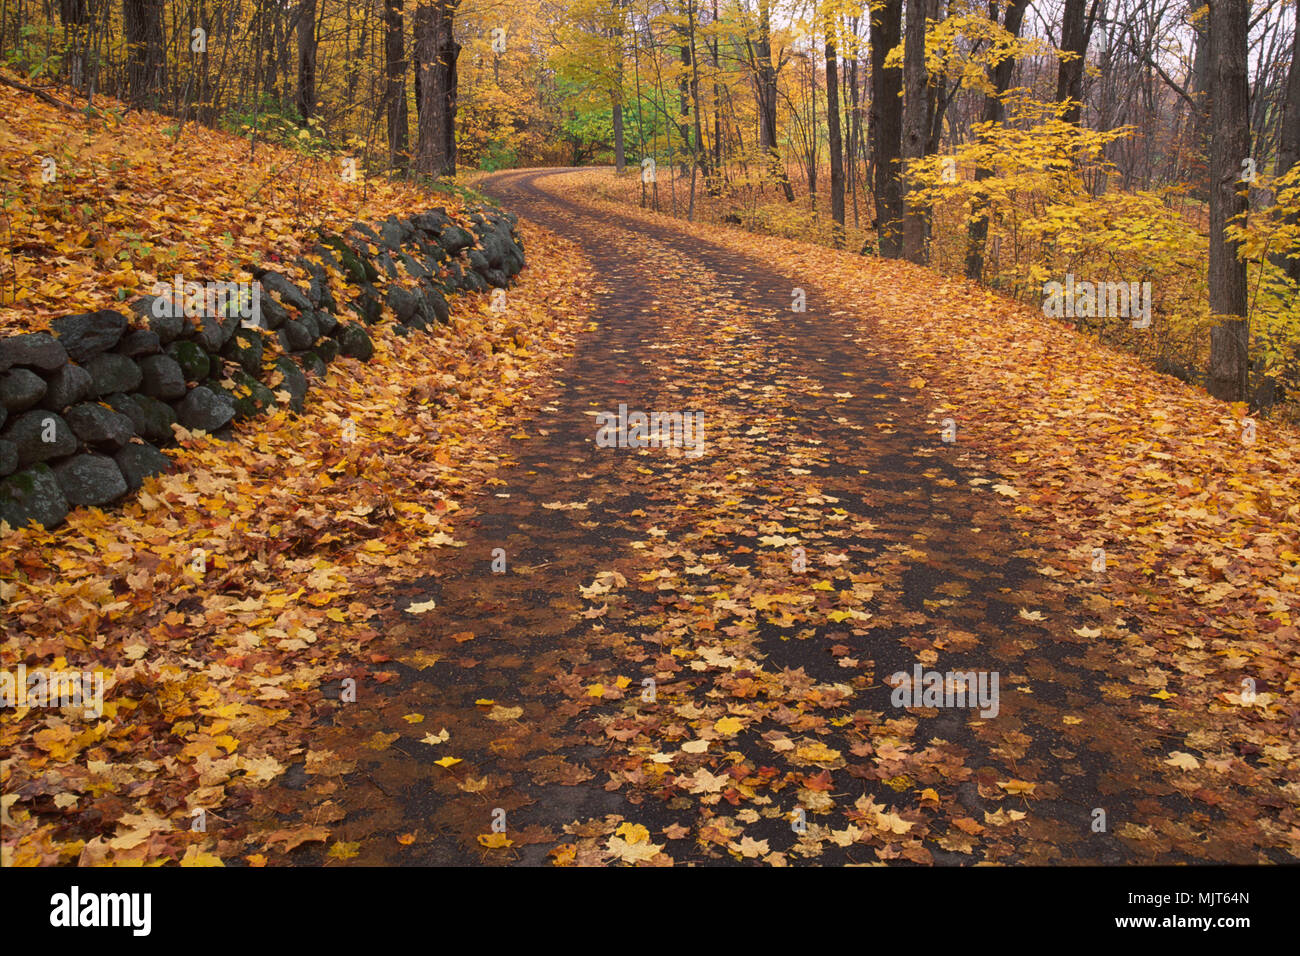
pixel 700 645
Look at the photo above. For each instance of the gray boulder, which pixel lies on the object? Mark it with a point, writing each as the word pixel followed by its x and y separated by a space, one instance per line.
pixel 39 436
pixel 8 457
pixel 354 342
pixel 151 418
pixel 20 389
pixel 294 336
pixel 453 238
pixel 289 293
pixel 168 325
pixel 204 409
pixel 312 363
pixel 195 364
pixel 245 349
pixel 163 377
pixel 85 336
pixel 89 479
pixel 32 495
pixel 139 342
pixel 34 350
pixel 138 462
pixel 111 373
pixel 100 427
pixel 291 380
pixel 67 386
pixel 326 322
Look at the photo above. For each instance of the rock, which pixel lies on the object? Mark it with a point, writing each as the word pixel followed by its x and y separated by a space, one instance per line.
pixel 163 321
pixel 327 349
pixel 357 267
pixel 436 304
pixel 8 457
pixel 20 389
pixel 414 267
pixel 269 314
pixel 67 386
pixel 85 336
pixel 110 372
pixel 294 336
pixel 404 303
pixel 453 238
pixel 259 397
pixel 245 349
pixel 496 278
pixel 390 233
pixel 308 322
pixel 152 419
pixel 473 281
pixel 367 305
pixel 39 436
pixel 32 495
pixel 33 350
pixel 193 362
pixel 493 249
pixel 208 333
pixel 162 375
pixel 455 276
pixel 138 462
pixel 289 293
pixel 387 264
pixel 139 342
pixel 319 291
pixel 478 261
pixel 291 380
pixel 100 427
pixel 313 364
pixel 204 409
pixel 89 479
pixel 431 222
pixel 327 322
pixel 354 343
pixel 368 233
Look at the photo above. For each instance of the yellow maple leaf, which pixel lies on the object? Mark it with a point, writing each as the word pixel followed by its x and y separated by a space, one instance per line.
pixel 344 851
pixel 728 726
pixel 633 832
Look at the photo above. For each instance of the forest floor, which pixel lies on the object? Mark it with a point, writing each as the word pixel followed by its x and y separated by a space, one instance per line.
pixel 686 658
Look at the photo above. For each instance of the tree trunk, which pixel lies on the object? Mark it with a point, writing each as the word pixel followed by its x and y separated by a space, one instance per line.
pixel 395 85
pixel 886 122
pixel 620 158
pixel 1000 77
pixel 833 132
pixel 76 34
pixel 1288 151
pixel 765 93
pixel 915 126
pixel 436 55
pixel 1069 76
pixel 1229 370
pixel 306 96
pixel 145 67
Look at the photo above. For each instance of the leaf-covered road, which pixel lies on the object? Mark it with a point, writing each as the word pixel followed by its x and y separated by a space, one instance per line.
pixel 686 657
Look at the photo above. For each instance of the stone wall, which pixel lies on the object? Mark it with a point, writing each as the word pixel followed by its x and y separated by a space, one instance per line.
pixel 85 407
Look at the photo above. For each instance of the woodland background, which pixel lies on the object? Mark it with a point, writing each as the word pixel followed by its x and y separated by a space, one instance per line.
pixel 1010 142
